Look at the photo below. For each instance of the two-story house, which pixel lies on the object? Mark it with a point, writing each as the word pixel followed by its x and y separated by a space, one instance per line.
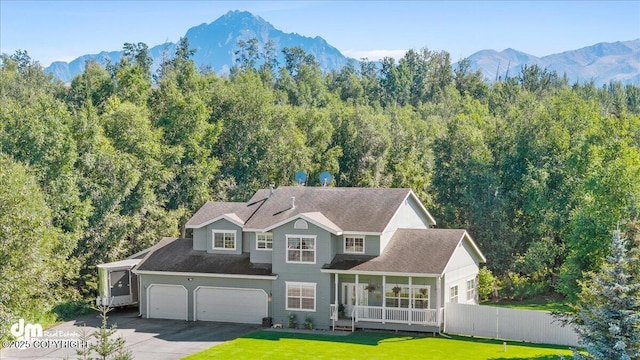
pixel 326 253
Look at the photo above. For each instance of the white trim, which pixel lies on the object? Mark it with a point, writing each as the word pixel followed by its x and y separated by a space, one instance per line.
pixel 232 217
pixel 195 297
pixel 286 295
pixel 388 273
pixel 265 248
pixel 344 243
pixel 457 294
pixel 223 231
pixel 473 245
pixel 475 287
pixel 315 248
pixel 413 290
pixel 363 233
pixel 301 224
pixel 430 218
pixel 192 274
pixel 335 231
pixel 186 304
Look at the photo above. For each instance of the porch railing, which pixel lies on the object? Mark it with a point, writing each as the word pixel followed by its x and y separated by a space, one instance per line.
pixel 396 315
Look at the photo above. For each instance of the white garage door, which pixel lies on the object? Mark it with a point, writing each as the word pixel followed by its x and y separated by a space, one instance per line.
pixel 167 302
pixel 247 306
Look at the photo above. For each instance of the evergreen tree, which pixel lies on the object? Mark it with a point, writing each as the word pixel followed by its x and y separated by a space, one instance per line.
pixel 609 308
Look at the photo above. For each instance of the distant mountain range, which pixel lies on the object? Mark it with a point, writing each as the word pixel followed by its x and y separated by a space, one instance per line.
pixel 215 44
pixel 600 63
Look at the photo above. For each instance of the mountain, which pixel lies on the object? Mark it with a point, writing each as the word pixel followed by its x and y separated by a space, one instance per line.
pixel 215 44
pixel 600 63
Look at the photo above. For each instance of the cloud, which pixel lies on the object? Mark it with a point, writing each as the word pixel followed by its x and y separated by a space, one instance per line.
pixel 374 55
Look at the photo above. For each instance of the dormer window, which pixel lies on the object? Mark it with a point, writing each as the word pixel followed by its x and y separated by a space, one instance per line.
pixel 354 244
pixel 224 240
pixel 264 241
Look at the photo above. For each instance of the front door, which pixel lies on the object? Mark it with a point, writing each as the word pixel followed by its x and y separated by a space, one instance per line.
pixel 349 297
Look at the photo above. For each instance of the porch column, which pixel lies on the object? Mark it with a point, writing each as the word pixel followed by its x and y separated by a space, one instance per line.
pixel 357 296
pixel 384 298
pixel 438 300
pixel 410 300
pixel 335 276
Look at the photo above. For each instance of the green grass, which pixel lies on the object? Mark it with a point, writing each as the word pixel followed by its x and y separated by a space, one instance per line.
pixel 372 345
pixel 541 304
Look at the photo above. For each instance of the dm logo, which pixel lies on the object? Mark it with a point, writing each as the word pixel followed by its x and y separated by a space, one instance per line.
pixel 24 333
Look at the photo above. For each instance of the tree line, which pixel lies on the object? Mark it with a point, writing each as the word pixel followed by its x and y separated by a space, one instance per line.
pixel 540 171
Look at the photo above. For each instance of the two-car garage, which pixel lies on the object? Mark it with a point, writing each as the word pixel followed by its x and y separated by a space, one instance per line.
pixel 246 306
pixel 238 305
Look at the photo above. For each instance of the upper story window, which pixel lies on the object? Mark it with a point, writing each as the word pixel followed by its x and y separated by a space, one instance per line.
pixel 471 289
pixel 354 244
pixel 300 224
pixel 301 249
pixel 264 241
pixel 224 240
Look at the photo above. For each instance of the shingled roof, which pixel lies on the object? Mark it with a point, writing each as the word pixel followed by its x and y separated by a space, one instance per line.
pixel 177 255
pixel 417 251
pixel 340 209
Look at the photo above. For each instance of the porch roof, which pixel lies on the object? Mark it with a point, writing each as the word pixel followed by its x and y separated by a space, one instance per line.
pixel 176 255
pixel 347 261
pixel 410 251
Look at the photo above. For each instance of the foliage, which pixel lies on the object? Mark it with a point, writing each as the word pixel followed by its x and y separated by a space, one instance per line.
pixel 487 284
pixel 537 170
pixel 608 318
pixel 106 346
pixel 28 268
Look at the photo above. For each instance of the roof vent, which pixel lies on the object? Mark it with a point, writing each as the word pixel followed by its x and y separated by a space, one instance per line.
pixel 293 202
pixel 271 189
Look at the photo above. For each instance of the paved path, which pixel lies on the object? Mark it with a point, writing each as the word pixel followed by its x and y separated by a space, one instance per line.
pixel 150 339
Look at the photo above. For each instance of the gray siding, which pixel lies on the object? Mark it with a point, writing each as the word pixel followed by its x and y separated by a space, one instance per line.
pixel 371 244
pixel 258 256
pixel 221 224
pixel 200 239
pixel 146 280
pixel 309 273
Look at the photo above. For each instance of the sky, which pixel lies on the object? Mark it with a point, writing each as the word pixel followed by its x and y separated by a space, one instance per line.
pixel 63 30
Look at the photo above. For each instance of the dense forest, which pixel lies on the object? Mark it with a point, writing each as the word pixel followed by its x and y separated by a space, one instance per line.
pixel 540 171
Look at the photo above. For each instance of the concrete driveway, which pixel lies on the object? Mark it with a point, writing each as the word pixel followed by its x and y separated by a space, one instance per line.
pixel 146 338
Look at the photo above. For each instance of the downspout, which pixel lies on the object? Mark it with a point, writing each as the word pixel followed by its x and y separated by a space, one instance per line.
pixel 439 302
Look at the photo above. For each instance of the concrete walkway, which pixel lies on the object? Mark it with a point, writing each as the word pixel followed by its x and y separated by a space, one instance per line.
pixel 150 339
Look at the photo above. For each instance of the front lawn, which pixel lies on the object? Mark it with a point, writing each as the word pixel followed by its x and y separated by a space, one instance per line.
pixel 372 345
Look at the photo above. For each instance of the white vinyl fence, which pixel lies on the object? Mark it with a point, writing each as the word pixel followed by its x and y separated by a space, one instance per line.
pixel 508 324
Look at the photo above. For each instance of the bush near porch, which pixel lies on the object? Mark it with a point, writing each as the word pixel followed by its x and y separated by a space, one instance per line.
pixel 372 345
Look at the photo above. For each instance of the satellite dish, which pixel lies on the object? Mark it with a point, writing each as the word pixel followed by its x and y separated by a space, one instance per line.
pixel 325 178
pixel 301 177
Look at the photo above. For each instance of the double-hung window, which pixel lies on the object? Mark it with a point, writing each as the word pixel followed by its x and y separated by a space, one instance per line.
pixel 471 289
pixel 453 294
pixel 264 241
pixel 301 296
pixel 224 240
pixel 301 249
pixel 354 244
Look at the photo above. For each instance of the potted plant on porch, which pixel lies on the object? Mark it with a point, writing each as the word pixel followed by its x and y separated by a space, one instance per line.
pixel 371 287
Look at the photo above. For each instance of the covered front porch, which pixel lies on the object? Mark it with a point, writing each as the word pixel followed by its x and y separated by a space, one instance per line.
pixel 387 301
